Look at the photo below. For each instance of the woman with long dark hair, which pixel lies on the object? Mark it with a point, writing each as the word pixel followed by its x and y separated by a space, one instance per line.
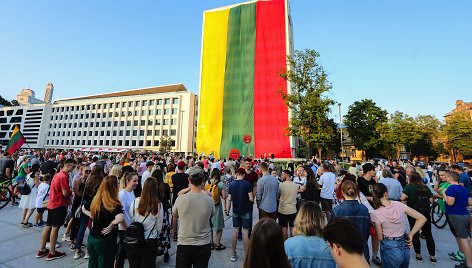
pixel 106 213
pixel 390 228
pixel 312 188
pixel 163 192
pixel 418 196
pixel 266 247
pixel 148 210
pixel 91 187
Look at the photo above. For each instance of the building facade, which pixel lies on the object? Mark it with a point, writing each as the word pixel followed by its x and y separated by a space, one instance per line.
pixel 132 119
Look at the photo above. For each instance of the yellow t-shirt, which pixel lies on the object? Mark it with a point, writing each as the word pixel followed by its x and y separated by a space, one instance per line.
pixel 168 180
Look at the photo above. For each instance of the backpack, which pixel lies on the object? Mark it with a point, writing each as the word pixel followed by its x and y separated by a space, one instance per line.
pixel 215 192
pixel 134 234
pixel 422 203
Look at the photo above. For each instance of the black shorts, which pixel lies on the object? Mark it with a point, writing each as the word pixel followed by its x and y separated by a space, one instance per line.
pixel 56 217
pixel 326 204
pixel 40 210
pixel 287 220
pixel 459 225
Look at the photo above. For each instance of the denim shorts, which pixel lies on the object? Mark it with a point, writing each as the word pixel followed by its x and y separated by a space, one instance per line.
pixel 243 220
pixel 394 253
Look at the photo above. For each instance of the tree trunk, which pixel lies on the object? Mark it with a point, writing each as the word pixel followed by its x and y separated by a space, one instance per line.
pixel 319 152
pixel 398 152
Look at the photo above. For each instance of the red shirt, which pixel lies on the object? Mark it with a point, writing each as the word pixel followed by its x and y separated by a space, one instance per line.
pixel 251 177
pixel 59 182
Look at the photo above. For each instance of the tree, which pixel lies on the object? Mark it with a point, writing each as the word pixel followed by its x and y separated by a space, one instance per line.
pixel 459 135
pixel 362 121
pixel 4 102
pixel 429 128
pixel 165 145
pixel 400 130
pixel 309 106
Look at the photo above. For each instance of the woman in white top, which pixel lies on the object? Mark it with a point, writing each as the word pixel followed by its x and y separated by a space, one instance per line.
pixel 28 202
pixel 147 210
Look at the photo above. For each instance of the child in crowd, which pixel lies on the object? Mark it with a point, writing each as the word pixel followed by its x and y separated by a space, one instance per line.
pixel 42 198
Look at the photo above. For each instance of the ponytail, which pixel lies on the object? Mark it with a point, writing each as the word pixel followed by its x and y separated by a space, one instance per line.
pixel 379 191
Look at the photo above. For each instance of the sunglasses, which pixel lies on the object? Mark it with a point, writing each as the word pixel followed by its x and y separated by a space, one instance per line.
pixel 88 171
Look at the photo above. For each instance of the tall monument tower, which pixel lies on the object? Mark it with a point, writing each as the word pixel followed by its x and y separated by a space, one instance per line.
pixel 48 91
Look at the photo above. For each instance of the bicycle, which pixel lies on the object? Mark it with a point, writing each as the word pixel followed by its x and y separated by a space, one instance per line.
pixel 7 192
pixel 438 214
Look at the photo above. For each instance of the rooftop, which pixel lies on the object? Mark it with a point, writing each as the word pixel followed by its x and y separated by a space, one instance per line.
pixel 133 92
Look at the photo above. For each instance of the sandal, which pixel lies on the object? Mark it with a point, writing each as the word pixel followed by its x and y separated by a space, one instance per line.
pixel 459 256
pixel 419 258
pixel 219 247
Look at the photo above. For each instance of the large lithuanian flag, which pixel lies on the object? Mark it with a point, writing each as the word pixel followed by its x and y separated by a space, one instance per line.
pixel 244 48
pixel 16 140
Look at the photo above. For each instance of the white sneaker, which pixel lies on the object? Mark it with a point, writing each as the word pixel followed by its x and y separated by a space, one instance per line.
pixel 65 238
pixel 57 245
pixel 86 255
pixel 234 258
pixel 77 255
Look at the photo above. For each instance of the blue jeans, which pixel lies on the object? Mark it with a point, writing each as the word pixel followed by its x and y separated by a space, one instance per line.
pixel 243 220
pixel 394 252
pixel 81 232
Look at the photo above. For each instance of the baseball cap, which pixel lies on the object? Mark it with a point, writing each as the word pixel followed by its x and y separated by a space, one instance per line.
pixel 241 171
pixel 367 167
pixel 181 164
pixel 195 172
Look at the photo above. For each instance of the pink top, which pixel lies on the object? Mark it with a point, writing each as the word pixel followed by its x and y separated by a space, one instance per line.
pixel 392 219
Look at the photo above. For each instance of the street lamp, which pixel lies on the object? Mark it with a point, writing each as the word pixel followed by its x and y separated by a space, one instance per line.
pixel 341 130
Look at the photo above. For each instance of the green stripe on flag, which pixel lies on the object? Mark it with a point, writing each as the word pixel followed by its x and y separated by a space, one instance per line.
pixel 238 100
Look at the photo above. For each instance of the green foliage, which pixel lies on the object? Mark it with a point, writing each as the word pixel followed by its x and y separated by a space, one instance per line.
pixel 165 145
pixel 362 121
pixel 459 134
pixel 400 130
pixel 429 128
pixel 309 106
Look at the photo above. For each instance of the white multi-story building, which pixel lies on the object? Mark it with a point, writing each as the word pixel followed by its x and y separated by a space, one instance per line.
pixel 131 119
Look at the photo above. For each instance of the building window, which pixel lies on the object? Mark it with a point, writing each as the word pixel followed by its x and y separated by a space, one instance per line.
pixel 128 123
pixel 166 111
pixel 151 102
pixel 135 123
pixel 128 132
pixel 126 142
pixel 113 143
pixel 173 121
pixel 173 132
pixel 144 102
pixel 158 111
pixel 166 122
pixel 156 143
pixel 122 123
pixel 167 101
pixel 117 105
pixel 130 113
pixel 120 143
pixel 149 132
pixel 115 123
pixel 159 102
pixel 130 104
pixel 141 133
pixel 121 133
pixel 174 110
pixel 165 132
pixel 104 106
pixel 150 122
pixel 148 143
pixel 137 103
pixel 136 113
pixel 135 133
pixel 143 112
pixel 158 122
pixel 133 143
pixel 151 112
pixel 143 122
pixel 157 132
pixel 123 104
pixel 141 143
pixel 175 100
pixel 114 132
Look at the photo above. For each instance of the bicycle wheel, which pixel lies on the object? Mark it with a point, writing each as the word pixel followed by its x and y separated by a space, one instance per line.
pixel 438 218
pixel 5 196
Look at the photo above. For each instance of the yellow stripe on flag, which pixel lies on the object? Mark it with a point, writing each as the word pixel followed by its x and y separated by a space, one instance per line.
pixel 210 117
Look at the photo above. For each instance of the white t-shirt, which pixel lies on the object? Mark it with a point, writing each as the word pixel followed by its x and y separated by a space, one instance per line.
pixel 151 220
pixel 146 174
pixel 126 199
pixel 300 181
pixel 327 182
pixel 42 191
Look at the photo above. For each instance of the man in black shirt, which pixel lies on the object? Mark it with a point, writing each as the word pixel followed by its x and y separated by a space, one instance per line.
pixel 49 167
pixel 6 166
pixel 366 186
pixel 179 182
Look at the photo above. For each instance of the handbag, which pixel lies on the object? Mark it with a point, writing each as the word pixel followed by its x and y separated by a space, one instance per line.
pixel 45 202
pixel 24 188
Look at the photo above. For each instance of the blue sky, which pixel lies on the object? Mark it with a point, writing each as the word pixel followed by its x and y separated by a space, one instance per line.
pixel 412 56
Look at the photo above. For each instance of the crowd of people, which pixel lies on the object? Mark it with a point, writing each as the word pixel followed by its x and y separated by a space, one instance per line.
pixel 310 214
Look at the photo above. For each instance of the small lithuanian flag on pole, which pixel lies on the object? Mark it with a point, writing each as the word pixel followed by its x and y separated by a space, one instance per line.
pixel 16 140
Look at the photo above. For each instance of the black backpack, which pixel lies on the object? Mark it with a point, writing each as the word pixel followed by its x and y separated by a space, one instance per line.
pixel 134 235
pixel 422 202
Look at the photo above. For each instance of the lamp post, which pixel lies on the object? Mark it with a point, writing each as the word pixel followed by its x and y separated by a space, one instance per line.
pixel 341 130
pixel 181 125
